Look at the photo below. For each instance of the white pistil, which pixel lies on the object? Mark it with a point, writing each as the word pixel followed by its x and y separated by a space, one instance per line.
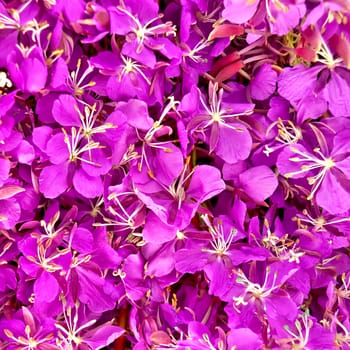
pixel 75 150
pixel 342 338
pixel 326 57
pixel 5 82
pixel 214 110
pixel 88 120
pixel 324 164
pixel 131 66
pixel 206 341
pixel 70 335
pixel 194 55
pixel 25 51
pixel 177 188
pixel 288 134
pixel 76 78
pixel 320 222
pixel 122 218
pixel 7 22
pixel 29 343
pixel 254 290
pixel 219 243
pixel 148 138
pixel 144 31
pixel 344 290
pixel 47 262
pixel 301 336
pixel 35 28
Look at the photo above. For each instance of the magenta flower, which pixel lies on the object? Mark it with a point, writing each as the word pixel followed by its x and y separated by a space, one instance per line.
pixel 324 171
pixel 27 69
pixel 323 84
pixel 28 331
pixel 75 331
pixel 224 133
pixel 76 162
pixel 282 16
pixel 142 25
pixel 176 204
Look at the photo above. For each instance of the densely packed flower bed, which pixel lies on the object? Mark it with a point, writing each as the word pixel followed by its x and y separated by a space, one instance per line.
pixel 175 174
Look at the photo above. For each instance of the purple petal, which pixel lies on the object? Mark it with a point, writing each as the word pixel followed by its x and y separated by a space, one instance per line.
pixel 25 152
pixel 88 186
pixel 243 339
pixel 332 196
pixel 335 93
pixel 239 11
pixel 57 149
pixel 64 111
pixel 102 336
pixel 5 166
pixel 46 288
pixel 10 212
pixel 233 145
pixel 258 182
pixel 156 231
pixel 263 85
pixel 206 183
pixel 190 260
pixel 53 180
pixel 294 83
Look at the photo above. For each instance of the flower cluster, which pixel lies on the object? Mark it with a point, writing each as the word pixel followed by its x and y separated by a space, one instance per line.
pixel 174 174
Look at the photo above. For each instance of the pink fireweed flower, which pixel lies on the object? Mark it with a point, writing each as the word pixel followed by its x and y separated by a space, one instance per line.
pixel 322 222
pixel 282 16
pixel 305 333
pixel 78 80
pixel 325 84
pixel 144 32
pixel 76 329
pixel 177 202
pixel 226 135
pixel 322 172
pixel 74 160
pixel 128 78
pixel 261 292
pixel 218 257
pixel 27 68
pixel 27 331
